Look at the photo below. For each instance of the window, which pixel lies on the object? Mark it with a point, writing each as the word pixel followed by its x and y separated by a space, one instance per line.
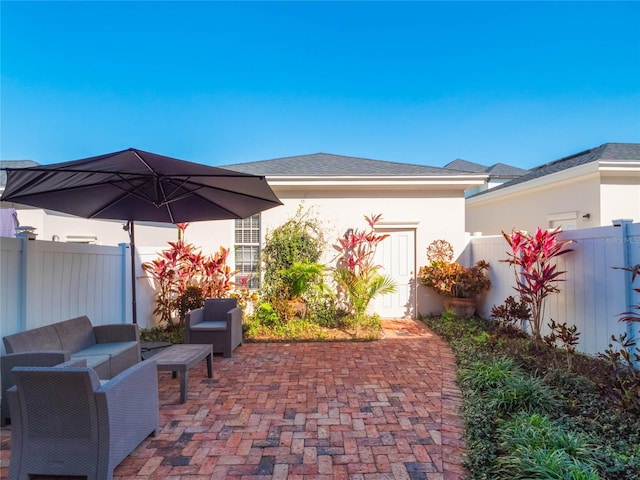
pixel 566 220
pixel 88 239
pixel 247 250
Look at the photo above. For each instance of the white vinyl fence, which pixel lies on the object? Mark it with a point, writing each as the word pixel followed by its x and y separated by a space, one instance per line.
pixel 593 294
pixel 44 282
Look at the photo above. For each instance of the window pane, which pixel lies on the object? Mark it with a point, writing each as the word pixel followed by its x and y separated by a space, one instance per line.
pixel 247 250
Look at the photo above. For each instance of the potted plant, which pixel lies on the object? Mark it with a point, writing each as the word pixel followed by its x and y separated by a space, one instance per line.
pixel 458 285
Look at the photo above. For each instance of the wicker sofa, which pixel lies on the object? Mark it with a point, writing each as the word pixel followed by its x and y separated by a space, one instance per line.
pixel 107 349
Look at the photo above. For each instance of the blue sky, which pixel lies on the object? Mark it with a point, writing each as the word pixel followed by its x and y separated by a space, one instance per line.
pixel 521 83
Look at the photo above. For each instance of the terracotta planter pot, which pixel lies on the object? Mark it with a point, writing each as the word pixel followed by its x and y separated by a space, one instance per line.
pixel 461 307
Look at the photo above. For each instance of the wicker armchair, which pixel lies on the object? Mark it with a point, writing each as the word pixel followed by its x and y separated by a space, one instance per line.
pixel 218 323
pixel 65 423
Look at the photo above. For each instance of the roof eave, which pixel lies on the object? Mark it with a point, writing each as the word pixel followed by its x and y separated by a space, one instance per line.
pixel 562 176
pixel 617 167
pixel 373 180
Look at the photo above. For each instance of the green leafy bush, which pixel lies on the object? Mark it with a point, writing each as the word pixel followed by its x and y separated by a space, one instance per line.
pixel 528 417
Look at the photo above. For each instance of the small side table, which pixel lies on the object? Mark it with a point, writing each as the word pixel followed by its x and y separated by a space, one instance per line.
pixel 180 358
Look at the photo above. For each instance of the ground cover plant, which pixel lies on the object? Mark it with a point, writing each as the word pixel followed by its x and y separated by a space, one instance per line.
pixel 530 414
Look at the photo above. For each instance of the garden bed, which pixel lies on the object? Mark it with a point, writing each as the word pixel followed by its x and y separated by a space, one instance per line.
pixel 533 411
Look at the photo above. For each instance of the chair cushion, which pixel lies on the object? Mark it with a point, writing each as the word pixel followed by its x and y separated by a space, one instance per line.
pixel 213 325
pixel 93 361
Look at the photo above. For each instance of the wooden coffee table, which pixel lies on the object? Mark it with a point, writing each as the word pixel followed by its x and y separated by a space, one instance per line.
pixel 180 358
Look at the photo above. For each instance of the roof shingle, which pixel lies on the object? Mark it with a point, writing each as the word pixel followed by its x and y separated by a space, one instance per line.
pixel 326 164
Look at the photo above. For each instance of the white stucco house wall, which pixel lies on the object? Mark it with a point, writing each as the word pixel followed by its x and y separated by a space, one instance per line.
pixel 418 204
pixel 588 189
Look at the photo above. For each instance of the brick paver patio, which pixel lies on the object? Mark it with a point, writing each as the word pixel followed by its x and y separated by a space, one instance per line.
pixel 361 410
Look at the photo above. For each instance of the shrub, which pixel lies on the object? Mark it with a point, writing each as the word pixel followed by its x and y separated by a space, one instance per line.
pixel 450 279
pixel 299 239
pixel 483 377
pixel 512 314
pixel 530 463
pixel 191 298
pixel 290 263
pixel 182 267
pixel 597 437
pixel 536 274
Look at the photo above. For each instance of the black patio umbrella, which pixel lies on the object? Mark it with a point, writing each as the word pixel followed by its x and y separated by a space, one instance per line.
pixel 137 185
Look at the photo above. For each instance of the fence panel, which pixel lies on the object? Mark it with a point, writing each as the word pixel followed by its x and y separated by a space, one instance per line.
pixel 65 280
pixel 593 293
pixel 10 285
pixel 45 282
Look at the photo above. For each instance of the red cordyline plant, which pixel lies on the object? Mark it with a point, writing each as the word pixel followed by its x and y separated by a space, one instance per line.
pixel 536 270
pixel 356 272
pixel 182 266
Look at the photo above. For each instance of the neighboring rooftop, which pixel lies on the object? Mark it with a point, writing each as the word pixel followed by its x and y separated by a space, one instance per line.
pixel 326 164
pixel 619 152
pixel 501 170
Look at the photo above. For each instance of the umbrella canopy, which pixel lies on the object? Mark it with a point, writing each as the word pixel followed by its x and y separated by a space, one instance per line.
pixel 137 185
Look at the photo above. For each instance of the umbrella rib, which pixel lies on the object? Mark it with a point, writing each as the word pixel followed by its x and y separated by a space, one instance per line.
pixel 221 189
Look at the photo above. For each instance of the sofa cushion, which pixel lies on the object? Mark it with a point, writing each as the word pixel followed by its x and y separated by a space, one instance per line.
pixel 213 325
pixel 75 334
pixel 109 349
pixel 41 338
pixel 99 363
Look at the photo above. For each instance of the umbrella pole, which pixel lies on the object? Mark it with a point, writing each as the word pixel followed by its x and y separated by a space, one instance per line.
pixel 132 246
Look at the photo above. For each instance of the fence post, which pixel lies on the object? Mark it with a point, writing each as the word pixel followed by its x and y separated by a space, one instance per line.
pixel 28 276
pixel 126 312
pixel 628 289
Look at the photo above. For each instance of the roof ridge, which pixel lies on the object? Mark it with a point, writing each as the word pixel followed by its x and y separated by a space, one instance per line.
pixel 330 164
pixel 341 156
pixel 568 157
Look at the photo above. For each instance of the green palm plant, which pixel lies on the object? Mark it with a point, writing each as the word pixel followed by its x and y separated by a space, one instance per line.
pixel 362 289
pixel 357 276
pixel 301 277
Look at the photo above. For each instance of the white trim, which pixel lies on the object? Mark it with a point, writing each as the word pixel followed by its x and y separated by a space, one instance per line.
pixel 386 181
pixel 390 224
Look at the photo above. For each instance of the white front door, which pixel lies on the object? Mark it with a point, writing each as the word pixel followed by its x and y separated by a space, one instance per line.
pixel 396 255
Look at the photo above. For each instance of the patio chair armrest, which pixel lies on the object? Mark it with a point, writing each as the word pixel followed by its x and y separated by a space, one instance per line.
pixel 38 358
pixel 194 316
pixel 130 403
pixel 234 317
pixel 44 358
pixel 234 329
pixel 117 332
pixel 191 318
